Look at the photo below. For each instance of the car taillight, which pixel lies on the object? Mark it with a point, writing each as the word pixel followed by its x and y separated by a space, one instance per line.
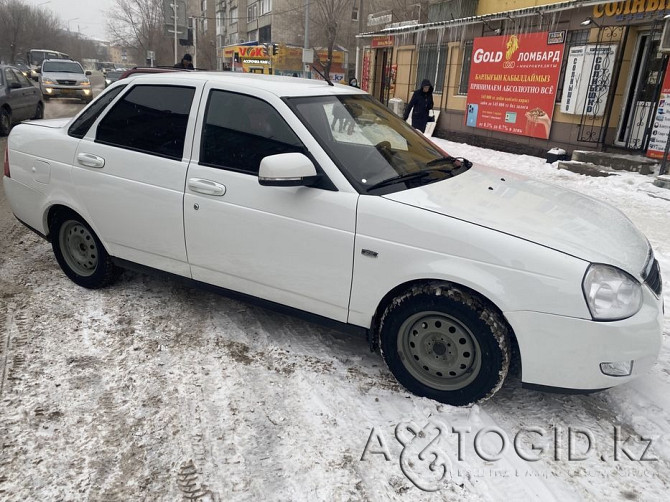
pixel 7 162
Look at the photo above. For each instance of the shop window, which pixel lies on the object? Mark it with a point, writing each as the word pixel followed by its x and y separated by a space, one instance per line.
pixel 465 68
pixel 432 65
pixel 579 37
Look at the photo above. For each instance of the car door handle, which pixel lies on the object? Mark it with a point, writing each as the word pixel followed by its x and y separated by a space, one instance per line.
pixel 90 160
pixel 206 187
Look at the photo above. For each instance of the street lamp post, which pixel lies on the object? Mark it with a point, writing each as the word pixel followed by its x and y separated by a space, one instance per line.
pixel 68 22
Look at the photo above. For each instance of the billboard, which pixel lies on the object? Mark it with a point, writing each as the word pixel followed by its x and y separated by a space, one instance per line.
pixel 512 84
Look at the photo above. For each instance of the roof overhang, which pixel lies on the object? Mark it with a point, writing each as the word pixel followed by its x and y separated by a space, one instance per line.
pixel 498 16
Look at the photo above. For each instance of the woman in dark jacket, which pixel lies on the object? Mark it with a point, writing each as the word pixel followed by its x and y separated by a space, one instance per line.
pixel 420 104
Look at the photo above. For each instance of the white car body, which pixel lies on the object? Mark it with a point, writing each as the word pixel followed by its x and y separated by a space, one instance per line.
pixel 523 245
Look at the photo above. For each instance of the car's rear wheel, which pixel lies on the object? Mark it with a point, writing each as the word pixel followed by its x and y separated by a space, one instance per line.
pixel 39 112
pixel 5 121
pixel 79 252
pixel 446 343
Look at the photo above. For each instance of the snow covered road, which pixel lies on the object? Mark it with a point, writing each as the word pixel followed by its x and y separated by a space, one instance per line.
pixel 152 390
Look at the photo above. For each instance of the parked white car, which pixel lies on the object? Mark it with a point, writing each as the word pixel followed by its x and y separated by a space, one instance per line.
pixel 319 198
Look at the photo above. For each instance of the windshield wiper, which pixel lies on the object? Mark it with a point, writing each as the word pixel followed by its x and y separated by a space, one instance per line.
pixel 408 176
pixel 464 162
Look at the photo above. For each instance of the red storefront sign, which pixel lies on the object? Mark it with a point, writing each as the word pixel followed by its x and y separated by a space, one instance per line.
pixel 512 85
pixel 386 41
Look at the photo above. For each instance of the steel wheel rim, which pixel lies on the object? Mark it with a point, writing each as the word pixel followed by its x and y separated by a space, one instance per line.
pixel 79 249
pixel 439 351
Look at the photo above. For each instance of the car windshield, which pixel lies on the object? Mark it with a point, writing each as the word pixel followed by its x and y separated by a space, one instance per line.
pixel 62 67
pixel 114 74
pixel 375 149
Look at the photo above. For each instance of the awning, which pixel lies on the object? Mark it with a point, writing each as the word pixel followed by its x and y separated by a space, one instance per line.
pixel 498 16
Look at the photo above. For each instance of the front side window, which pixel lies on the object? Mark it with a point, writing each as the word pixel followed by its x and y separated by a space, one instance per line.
pixel 150 119
pixel 240 130
pixel 376 150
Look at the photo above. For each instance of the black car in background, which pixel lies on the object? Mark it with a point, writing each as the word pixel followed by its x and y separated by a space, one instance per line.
pixel 19 99
pixel 113 75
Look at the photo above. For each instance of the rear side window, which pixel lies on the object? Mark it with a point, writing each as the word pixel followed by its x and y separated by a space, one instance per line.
pixel 150 119
pixel 80 127
pixel 240 130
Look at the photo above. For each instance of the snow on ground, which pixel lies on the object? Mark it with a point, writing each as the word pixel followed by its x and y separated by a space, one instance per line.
pixel 152 390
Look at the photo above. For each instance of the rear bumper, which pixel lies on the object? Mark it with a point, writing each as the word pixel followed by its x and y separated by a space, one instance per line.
pixel 566 353
pixel 27 204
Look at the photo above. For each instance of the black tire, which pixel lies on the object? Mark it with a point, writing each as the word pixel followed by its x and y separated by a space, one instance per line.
pixel 39 112
pixel 443 342
pixel 79 252
pixel 5 121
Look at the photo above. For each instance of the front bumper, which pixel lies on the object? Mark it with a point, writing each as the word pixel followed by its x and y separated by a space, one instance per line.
pixel 67 92
pixel 566 352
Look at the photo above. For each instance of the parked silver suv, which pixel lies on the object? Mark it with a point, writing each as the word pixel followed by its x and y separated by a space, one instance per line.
pixel 64 78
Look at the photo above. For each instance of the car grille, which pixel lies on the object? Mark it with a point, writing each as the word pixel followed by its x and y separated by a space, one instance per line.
pixel 67 82
pixel 652 276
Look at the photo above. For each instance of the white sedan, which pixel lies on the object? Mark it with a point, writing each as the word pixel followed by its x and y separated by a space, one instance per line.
pixel 317 198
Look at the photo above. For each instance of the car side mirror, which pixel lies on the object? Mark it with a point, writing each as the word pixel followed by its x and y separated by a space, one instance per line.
pixel 287 170
pixel 88 72
pixel 14 85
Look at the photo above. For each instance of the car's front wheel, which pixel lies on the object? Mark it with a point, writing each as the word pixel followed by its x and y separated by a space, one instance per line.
pixel 39 112
pixel 5 121
pixel 79 252
pixel 444 342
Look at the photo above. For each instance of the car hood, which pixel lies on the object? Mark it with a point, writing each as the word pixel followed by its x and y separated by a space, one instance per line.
pixel 548 215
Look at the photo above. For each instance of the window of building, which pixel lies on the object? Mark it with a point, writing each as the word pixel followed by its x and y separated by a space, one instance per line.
pixel 150 119
pixel 240 130
pixel 265 6
pixel 233 15
pixel 203 6
pixel 432 65
pixel 465 68
pixel 252 12
pixel 354 14
pixel 574 38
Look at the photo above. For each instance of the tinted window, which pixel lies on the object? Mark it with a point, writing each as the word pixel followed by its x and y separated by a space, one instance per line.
pixel 150 119
pixel 80 127
pixel 240 130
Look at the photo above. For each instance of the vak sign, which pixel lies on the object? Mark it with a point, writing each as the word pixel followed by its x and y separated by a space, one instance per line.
pixel 512 85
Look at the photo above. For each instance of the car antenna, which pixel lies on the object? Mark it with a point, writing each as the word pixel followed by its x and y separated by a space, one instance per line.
pixel 322 75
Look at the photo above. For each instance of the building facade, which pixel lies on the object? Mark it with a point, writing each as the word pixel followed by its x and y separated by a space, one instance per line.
pixel 527 76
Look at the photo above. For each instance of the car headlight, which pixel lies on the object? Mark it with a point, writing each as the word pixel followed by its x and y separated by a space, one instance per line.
pixel 611 293
pixel 108 81
pixel 48 81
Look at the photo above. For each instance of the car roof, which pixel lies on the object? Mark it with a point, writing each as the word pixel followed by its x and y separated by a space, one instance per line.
pixel 282 86
pixel 60 59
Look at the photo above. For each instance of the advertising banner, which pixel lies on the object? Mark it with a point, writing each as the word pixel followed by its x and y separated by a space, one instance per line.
pixel 661 129
pixel 512 85
pixel 587 79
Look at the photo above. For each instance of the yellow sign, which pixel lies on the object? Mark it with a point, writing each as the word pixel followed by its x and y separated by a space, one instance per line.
pixel 629 7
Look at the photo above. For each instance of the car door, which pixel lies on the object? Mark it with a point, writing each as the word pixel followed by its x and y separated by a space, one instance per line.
pixel 18 101
pixel 130 170
pixel 29 94
pixel 290 245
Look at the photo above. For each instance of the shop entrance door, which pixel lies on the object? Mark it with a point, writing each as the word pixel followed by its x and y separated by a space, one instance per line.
pixel 383 61
pixel 644 86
